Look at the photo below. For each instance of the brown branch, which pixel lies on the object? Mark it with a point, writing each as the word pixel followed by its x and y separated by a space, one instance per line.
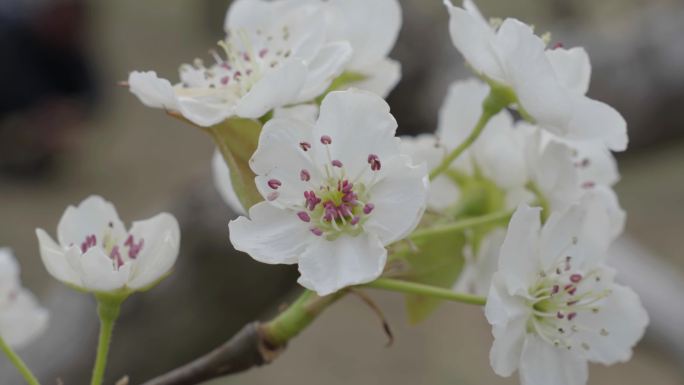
pixel 246 349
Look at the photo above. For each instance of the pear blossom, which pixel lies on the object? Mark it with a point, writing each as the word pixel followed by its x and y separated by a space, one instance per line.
pixel 372 28
pixel 481 264
pixel 554 305
pixel 22 319
pixel 336 193
pixel 276 53
pixel 549 85
pixel 94 251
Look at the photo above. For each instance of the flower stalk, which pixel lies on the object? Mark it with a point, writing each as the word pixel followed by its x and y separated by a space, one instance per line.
pixel 425 290
pixel 501 217
pixel 18 363
pixel 108 309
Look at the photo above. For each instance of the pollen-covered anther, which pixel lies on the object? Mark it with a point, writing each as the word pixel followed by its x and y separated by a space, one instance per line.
pixel 304 175
pixel 336 163
pixel 368 208
pixel 274 184
pixel 304 216
pixel 316 231
pixel 305 146
pixel 325 139
pixel 374 162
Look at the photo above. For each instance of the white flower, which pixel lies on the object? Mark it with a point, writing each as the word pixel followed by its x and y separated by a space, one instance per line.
pixel 479 268
pixel 554 305
pixel 275 54
pixel 21 318
pixel 372 28
pixel 96 253
pixel 336 192
pixel 549 85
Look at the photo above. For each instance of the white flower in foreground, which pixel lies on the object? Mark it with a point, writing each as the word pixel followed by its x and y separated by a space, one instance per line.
pixel 554 304
pixel 336 192
pixel 549 85
pixel 95 252
pixel 276 53
pixel 21 318
pixel 372 28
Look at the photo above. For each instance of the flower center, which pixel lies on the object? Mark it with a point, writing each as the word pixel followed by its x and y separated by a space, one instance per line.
pixel 119 254
pixel 244 61
pixel 560 299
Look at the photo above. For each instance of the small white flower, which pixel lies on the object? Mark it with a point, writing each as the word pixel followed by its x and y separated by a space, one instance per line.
pixel 479 268
pixel 549 85
pixel 96 253
pixel 22 319
pixel 275 54
pixel 336 192
pixel 372 28
pixel 554 305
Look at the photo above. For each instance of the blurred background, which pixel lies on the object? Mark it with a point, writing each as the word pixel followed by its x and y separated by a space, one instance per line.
pixel 67 131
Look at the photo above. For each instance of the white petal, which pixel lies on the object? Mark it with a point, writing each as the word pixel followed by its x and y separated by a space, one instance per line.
pixel 381 77
pixel 487 261
pixel 499 152
pixel 532 77
pixel 279 157
pixel 93 216
pixel 278 87
pixel 306 113
pixel 207 111
pixel 359 124
pixel 572 68
pixel 324 68
pixel 55 259
pixel 472 35
pixel 545 364
pixel 161 236
pixel 519 259
pixel 270 235
pixel 399 197
pixel 623 320
pixel 560 236
pixel 9 271
pixel 460 111
pixel 22 320
pixel 557 176
pixel 98 274
pixel 152 90
pixel 224 184
pixel 328 266
pixel 372 28
pixel 592 119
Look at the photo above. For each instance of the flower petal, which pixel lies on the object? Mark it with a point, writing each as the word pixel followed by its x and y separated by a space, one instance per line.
pixel 460 111
pixel 399 198
pixel 372 28
pixel 270 235
pixel 161 236
pixel 93 216
pixel 224 184
pixel 98 274
pixel 327 266
pixel 592 119
pixel 359 124
pixel 519 258
pixel 22 320
pixel 544 364
pixel 55 259
pixel 381 78
pixel 152 90
pixel 324 68
pixel 278 87
pixel 572 68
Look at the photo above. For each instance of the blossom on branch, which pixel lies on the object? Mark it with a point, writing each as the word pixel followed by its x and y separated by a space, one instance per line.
pixel 554 305
pixel 336 193
pixel 22 319
pixel 94 251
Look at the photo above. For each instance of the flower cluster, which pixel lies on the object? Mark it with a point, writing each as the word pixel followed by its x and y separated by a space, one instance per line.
pixel 21 318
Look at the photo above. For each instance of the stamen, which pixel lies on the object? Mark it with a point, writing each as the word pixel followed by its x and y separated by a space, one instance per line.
pixel 325 139
pixel 304 216
pixel 374 162
pixel 305 146
pixel 274 184
pixel 304 176
pixel 316 231
pixel 336 163
pixel 368 208
pixel 273 196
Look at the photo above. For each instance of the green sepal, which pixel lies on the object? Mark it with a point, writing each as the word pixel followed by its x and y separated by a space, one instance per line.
pixel 237 140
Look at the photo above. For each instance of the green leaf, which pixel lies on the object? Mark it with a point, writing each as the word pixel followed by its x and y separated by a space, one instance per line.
pixel 434 260
pixel 237 139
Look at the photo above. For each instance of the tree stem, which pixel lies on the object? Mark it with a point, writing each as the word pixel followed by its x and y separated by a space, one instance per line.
pixel 426 290
pixel 18 363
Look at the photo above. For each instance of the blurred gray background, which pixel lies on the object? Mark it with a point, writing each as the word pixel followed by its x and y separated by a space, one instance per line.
pixel 67 131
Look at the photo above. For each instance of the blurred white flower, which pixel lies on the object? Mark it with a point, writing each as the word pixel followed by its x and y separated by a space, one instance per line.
pixel 549 85
pixel 22 319
pixel 337 192
pixel 480 266
pixel 96 253
pixel 553 304
pixel 276 53
pixel 372 28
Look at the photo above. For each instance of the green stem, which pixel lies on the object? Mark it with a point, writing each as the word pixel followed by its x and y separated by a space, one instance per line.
pixel 297 317
pixel 491 106
pixel 108 310
pixel 425 290
pixel 18 363
pixel 464 224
